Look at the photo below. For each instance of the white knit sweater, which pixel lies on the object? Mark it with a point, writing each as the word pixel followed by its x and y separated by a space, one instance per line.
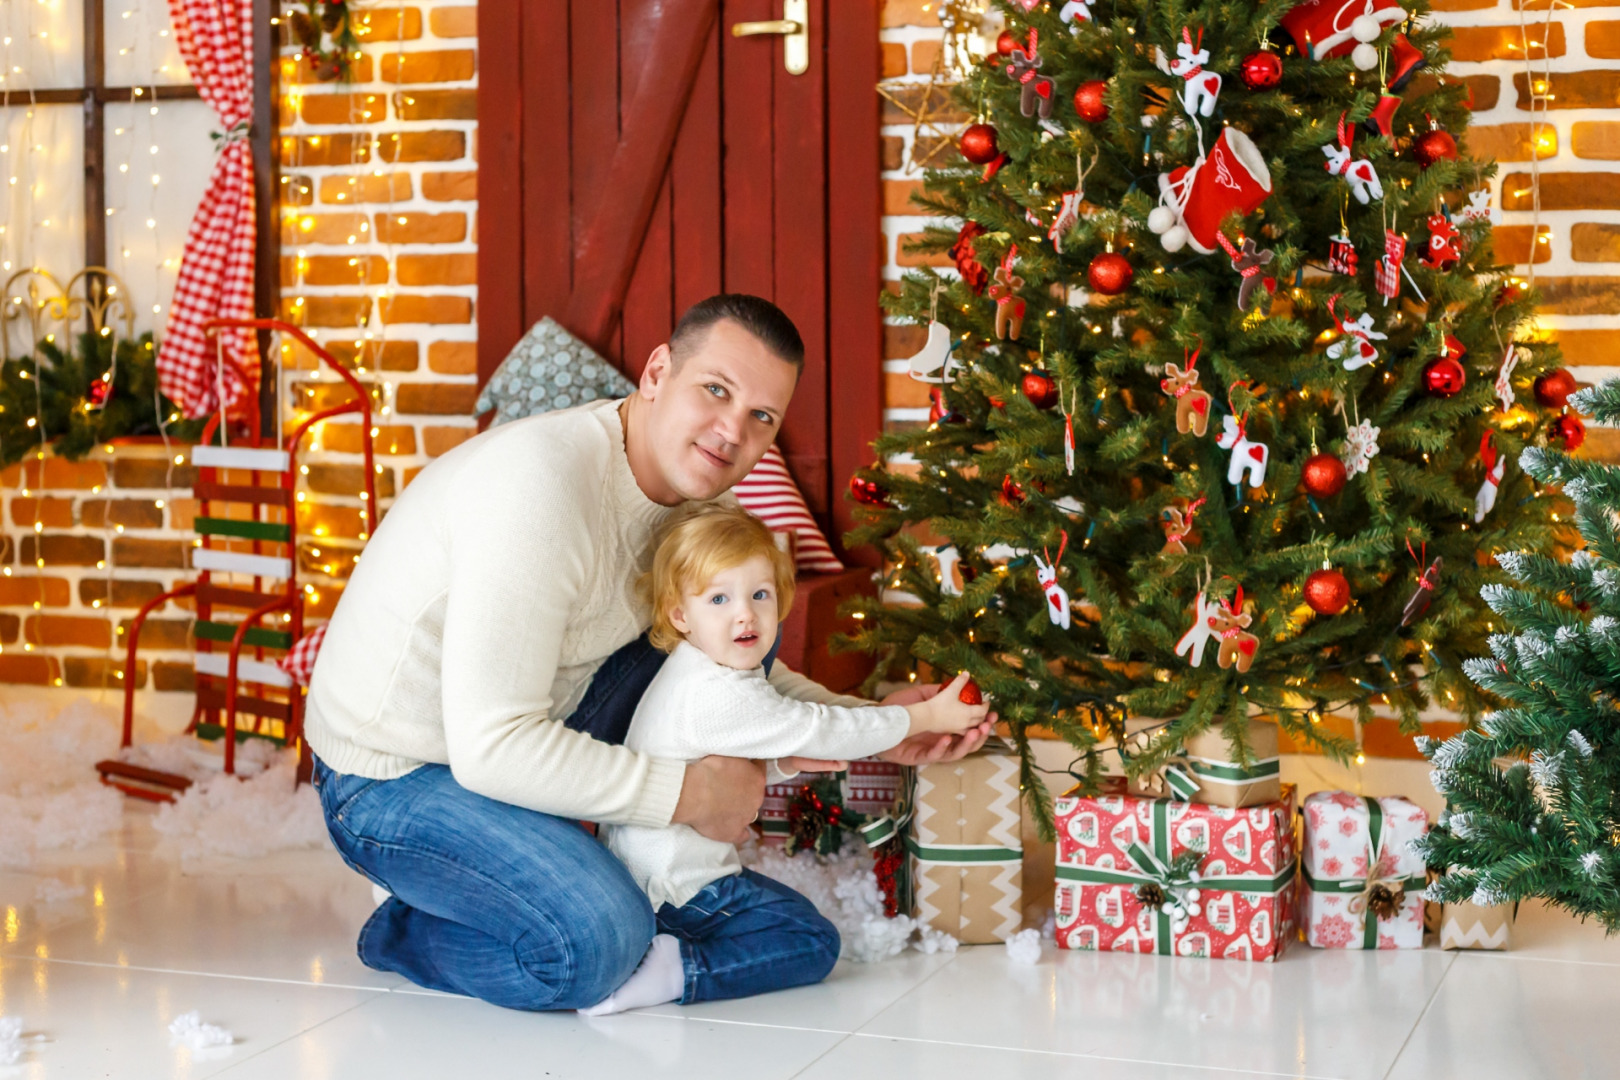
pixel 697 707
pixel 497 584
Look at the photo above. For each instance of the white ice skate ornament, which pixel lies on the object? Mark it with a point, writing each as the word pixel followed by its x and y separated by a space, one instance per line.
pixel 1479 208
pixel 934 362
pixel 1355 348
pixel 1360 447
pixel 1057 598
pixel 1357 172
pixel 1199 88
pixel 1200 632
pixel 1495 465
pixel 949 560
pixel 1504 377
pixel 1248 456
pixel 1075 12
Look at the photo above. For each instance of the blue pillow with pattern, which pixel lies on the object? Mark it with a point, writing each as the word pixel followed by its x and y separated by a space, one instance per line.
pixel 549 369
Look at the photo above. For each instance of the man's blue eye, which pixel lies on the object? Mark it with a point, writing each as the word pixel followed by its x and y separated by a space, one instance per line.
pixel 762 416
pixel 762 594
pixel 716 389
pixel 718 598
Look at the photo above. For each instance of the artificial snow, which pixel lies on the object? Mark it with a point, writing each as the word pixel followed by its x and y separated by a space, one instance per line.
pixel 189 1030
pixel 246 816
pixel 13 1043
pixel 50 797
pixel 1024 947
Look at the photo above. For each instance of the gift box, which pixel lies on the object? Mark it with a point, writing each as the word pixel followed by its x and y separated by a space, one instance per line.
pixel 1203 771
pixel 966 846
pixel 1175 878
pixel 1476 926
pixel 869 789
pixel 1362 883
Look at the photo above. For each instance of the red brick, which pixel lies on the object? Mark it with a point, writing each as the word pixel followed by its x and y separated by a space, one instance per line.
pixel 52 513
pixel 99 671
pixel 378 26
pixel 173 634
pixel 454 22
pixel 443 65
pixel 340 269
pixel 59 550
pixel 938 101
pixel 318 397
pixel 318 520
pixel 897 196
pixel 297 190
pixel 1592 242
pixel 900 342
pixel 893 62
pixel 423 146
pixel 453 357
pixel 1511 244
pixel 323 229
pixel 130 513
pixel 326 310
pixel 460 268
pixel 304 74
pixel 1574 89
pixel 1461 5
pixel 152 473
pixel 916 258
pixel 1480 43
pixel 426 309
pixel 173 676
pixel 26 589
pixel 1598 139
pixel 347 480
pixel 1579 295
pixel 892 153
pixel 125 593
pixel 344 109
pixel 435 399
pixel 1564 191
pixel 924 54
pixel 332 561
pixel 1603 40
pixel 166 554
pixel 1588 348
pixel 30 668
pixel 10 627
pixel 420 228
pixel 67 630
pixel 393 439
pixel 436 105
pixel 374 354
pixel 901 391
pixel 440 440
pixel 369 188
pixel 60 473
pixel 1511 142
pixel 910 13
pixel 450 186
pixel 312 151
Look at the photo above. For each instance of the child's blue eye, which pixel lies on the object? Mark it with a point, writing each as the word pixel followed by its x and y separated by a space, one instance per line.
pixel 718 598
pixel 762 594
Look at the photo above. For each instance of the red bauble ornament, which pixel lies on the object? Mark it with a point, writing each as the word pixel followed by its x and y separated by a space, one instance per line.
pixel 1261 70
pixel 978 144
pixel 1324 475
pixel 1553 389
pixel 1006 43
pixel 1444 377
pixel 1012 492
pixel 1433 146
pixel 867 492
pixel 1041 389
pixel 1568 432
pixel 1327 592
pixel 1110 273
pixel 1088 101
pixel 971 694
pixel 1509 292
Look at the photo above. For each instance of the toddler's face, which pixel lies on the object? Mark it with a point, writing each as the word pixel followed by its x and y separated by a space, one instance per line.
pixel 733 619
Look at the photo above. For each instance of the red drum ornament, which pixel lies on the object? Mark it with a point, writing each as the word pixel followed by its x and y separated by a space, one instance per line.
pixel 1110 273
pixel 1088 101
pixel 1261 70
pixel 1553 389
pixel 1433 146
pixel 978 144
pixel 1444 377
pixel 1324 475
pixel 1041 389
pixel 867 492
pixel 1568 432
pixel 1327 592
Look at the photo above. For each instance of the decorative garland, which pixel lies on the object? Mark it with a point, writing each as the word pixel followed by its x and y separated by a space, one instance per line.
pixel 324 31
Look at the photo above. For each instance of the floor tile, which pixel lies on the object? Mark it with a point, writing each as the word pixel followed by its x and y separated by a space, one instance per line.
pixel 1495 1019
pixel 1541 932
pixel 1318 1012
pixel 420 1037
pixel 863 1056
pixel 111 1022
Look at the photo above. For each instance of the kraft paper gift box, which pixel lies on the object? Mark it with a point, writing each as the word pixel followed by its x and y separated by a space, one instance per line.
pixel 870 788
pixel 1123 885
pixel 966 846
pixel 1203 772
pixel 1476 926
pixel 1362 884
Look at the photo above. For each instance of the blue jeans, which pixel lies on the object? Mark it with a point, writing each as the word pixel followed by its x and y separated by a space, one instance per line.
pixel 529 911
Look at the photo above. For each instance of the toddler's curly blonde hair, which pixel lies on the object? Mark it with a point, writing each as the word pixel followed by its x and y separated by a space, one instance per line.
pixel 695 546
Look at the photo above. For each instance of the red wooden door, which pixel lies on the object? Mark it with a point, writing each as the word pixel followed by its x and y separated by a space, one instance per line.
pixel 636 157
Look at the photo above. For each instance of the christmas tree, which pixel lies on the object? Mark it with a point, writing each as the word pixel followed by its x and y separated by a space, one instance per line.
pixel 1547 824
pixel 1195 387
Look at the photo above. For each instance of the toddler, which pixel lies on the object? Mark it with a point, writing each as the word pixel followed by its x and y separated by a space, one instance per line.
pixel 719 586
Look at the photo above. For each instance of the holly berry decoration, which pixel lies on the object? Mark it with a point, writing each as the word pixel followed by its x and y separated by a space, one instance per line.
pixel 1041 389
pixel 1089 103
pixel 1012 492
pixel 816 819
pixel 1327 592
pixel 1110 273
pixel 978 144
pixel 1567 432
pixel 1432 146
pixel 971 694
pixel 1444 377
pixel 1324 475
pixel 1553 389
pixel 867 492
pixel 1261 70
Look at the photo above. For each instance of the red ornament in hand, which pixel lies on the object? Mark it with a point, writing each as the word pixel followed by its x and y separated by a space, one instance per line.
pixel 1324 475
pixel 868 492
pixel 1433 146
pixel 1041 389
pixel 1327 592
pixel 978 144
pixel 1261 70
pixel 1568 432
pixel 1110 273
pixel 971 694
pixel 1088 101
pixel 1444 377
pixel 1553 389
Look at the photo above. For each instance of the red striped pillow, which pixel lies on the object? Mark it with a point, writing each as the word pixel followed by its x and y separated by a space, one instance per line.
pixel 770 494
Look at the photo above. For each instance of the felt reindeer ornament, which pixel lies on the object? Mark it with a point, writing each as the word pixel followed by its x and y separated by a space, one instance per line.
pixel 1024 66
pixel 1357 172
pixel 1495 466
pixel 1504 377
pixel 1200 632
pixel 1199 88
pixel 1248 456
pixel 1356 347
pixel 1237 646
pixel 1075 12
pixel 1178 523
pixel 1009 306
pixel 1418 604
pixel 1192 404
pixel 1247 262
pixel 1057 598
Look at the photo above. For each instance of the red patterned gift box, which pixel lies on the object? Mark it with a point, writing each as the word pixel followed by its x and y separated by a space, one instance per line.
pixel 1174 878
pixel 1338 892
pixel 869 788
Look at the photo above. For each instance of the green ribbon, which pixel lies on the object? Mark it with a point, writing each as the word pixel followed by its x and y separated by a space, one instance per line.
pixel 1153 867
pixel 962 853
pixel 1181 783
pixel 1362 886
pixel 1224 772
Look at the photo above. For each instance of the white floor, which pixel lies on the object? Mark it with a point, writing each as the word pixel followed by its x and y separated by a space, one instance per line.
pixel 266 949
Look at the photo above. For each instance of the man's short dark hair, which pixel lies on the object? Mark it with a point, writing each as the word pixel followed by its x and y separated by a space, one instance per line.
pixel 758 316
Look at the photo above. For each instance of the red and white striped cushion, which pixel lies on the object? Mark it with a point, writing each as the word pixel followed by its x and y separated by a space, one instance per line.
pixel 299 663
pixel 770 494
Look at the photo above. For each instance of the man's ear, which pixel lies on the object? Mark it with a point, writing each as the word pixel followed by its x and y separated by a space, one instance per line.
pixel 677 619
pixel 660 366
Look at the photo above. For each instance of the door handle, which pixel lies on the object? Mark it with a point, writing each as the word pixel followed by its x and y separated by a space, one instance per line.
pixel 793 28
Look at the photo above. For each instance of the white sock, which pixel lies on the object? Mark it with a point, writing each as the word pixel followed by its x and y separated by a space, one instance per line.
pixel 379 895
pixel 659 978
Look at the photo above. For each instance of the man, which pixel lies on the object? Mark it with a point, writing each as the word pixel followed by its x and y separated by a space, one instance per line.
pixel 488 654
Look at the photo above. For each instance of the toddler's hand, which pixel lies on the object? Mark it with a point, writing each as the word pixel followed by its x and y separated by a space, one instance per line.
pixel 946 711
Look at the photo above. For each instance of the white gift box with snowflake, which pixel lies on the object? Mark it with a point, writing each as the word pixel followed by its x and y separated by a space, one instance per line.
pixel 1362 880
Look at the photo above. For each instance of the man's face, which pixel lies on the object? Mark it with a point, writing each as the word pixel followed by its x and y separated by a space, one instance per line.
pixel 711 418
pixel 733 618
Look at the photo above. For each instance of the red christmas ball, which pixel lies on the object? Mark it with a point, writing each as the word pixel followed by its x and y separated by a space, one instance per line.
pixel 1089 103
pixel 1006 43
pixel 1444 377
pixel 1041 389
pixel 1568 432
pixel 1324 475
pixel 867 492
pixel 1012 492
pixel 971 695
pixel 1553 389
pixel 1110 273
pixel 1327 592
pixel 1261 70
pixel 978 144
pixel 1433 146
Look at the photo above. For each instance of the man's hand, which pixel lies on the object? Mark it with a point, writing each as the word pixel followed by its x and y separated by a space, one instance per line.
pixel 810 764
pixel 927 749
pixel 720 797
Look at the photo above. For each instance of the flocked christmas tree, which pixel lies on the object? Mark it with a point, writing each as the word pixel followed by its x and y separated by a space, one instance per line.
pixel 1534 794
pixel 1228 387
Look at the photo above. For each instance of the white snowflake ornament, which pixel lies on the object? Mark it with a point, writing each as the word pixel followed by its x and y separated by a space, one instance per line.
pixel 1360 447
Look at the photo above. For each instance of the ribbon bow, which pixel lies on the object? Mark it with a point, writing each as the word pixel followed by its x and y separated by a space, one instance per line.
pixel 241 131
pixel 1382 896
pixel 1170 886
pixel 1175 775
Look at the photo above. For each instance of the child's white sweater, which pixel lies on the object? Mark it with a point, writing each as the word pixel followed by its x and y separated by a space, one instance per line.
pixel 696 707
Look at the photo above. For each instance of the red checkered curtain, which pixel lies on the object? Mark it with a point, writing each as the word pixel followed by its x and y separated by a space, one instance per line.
pixel 216 273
